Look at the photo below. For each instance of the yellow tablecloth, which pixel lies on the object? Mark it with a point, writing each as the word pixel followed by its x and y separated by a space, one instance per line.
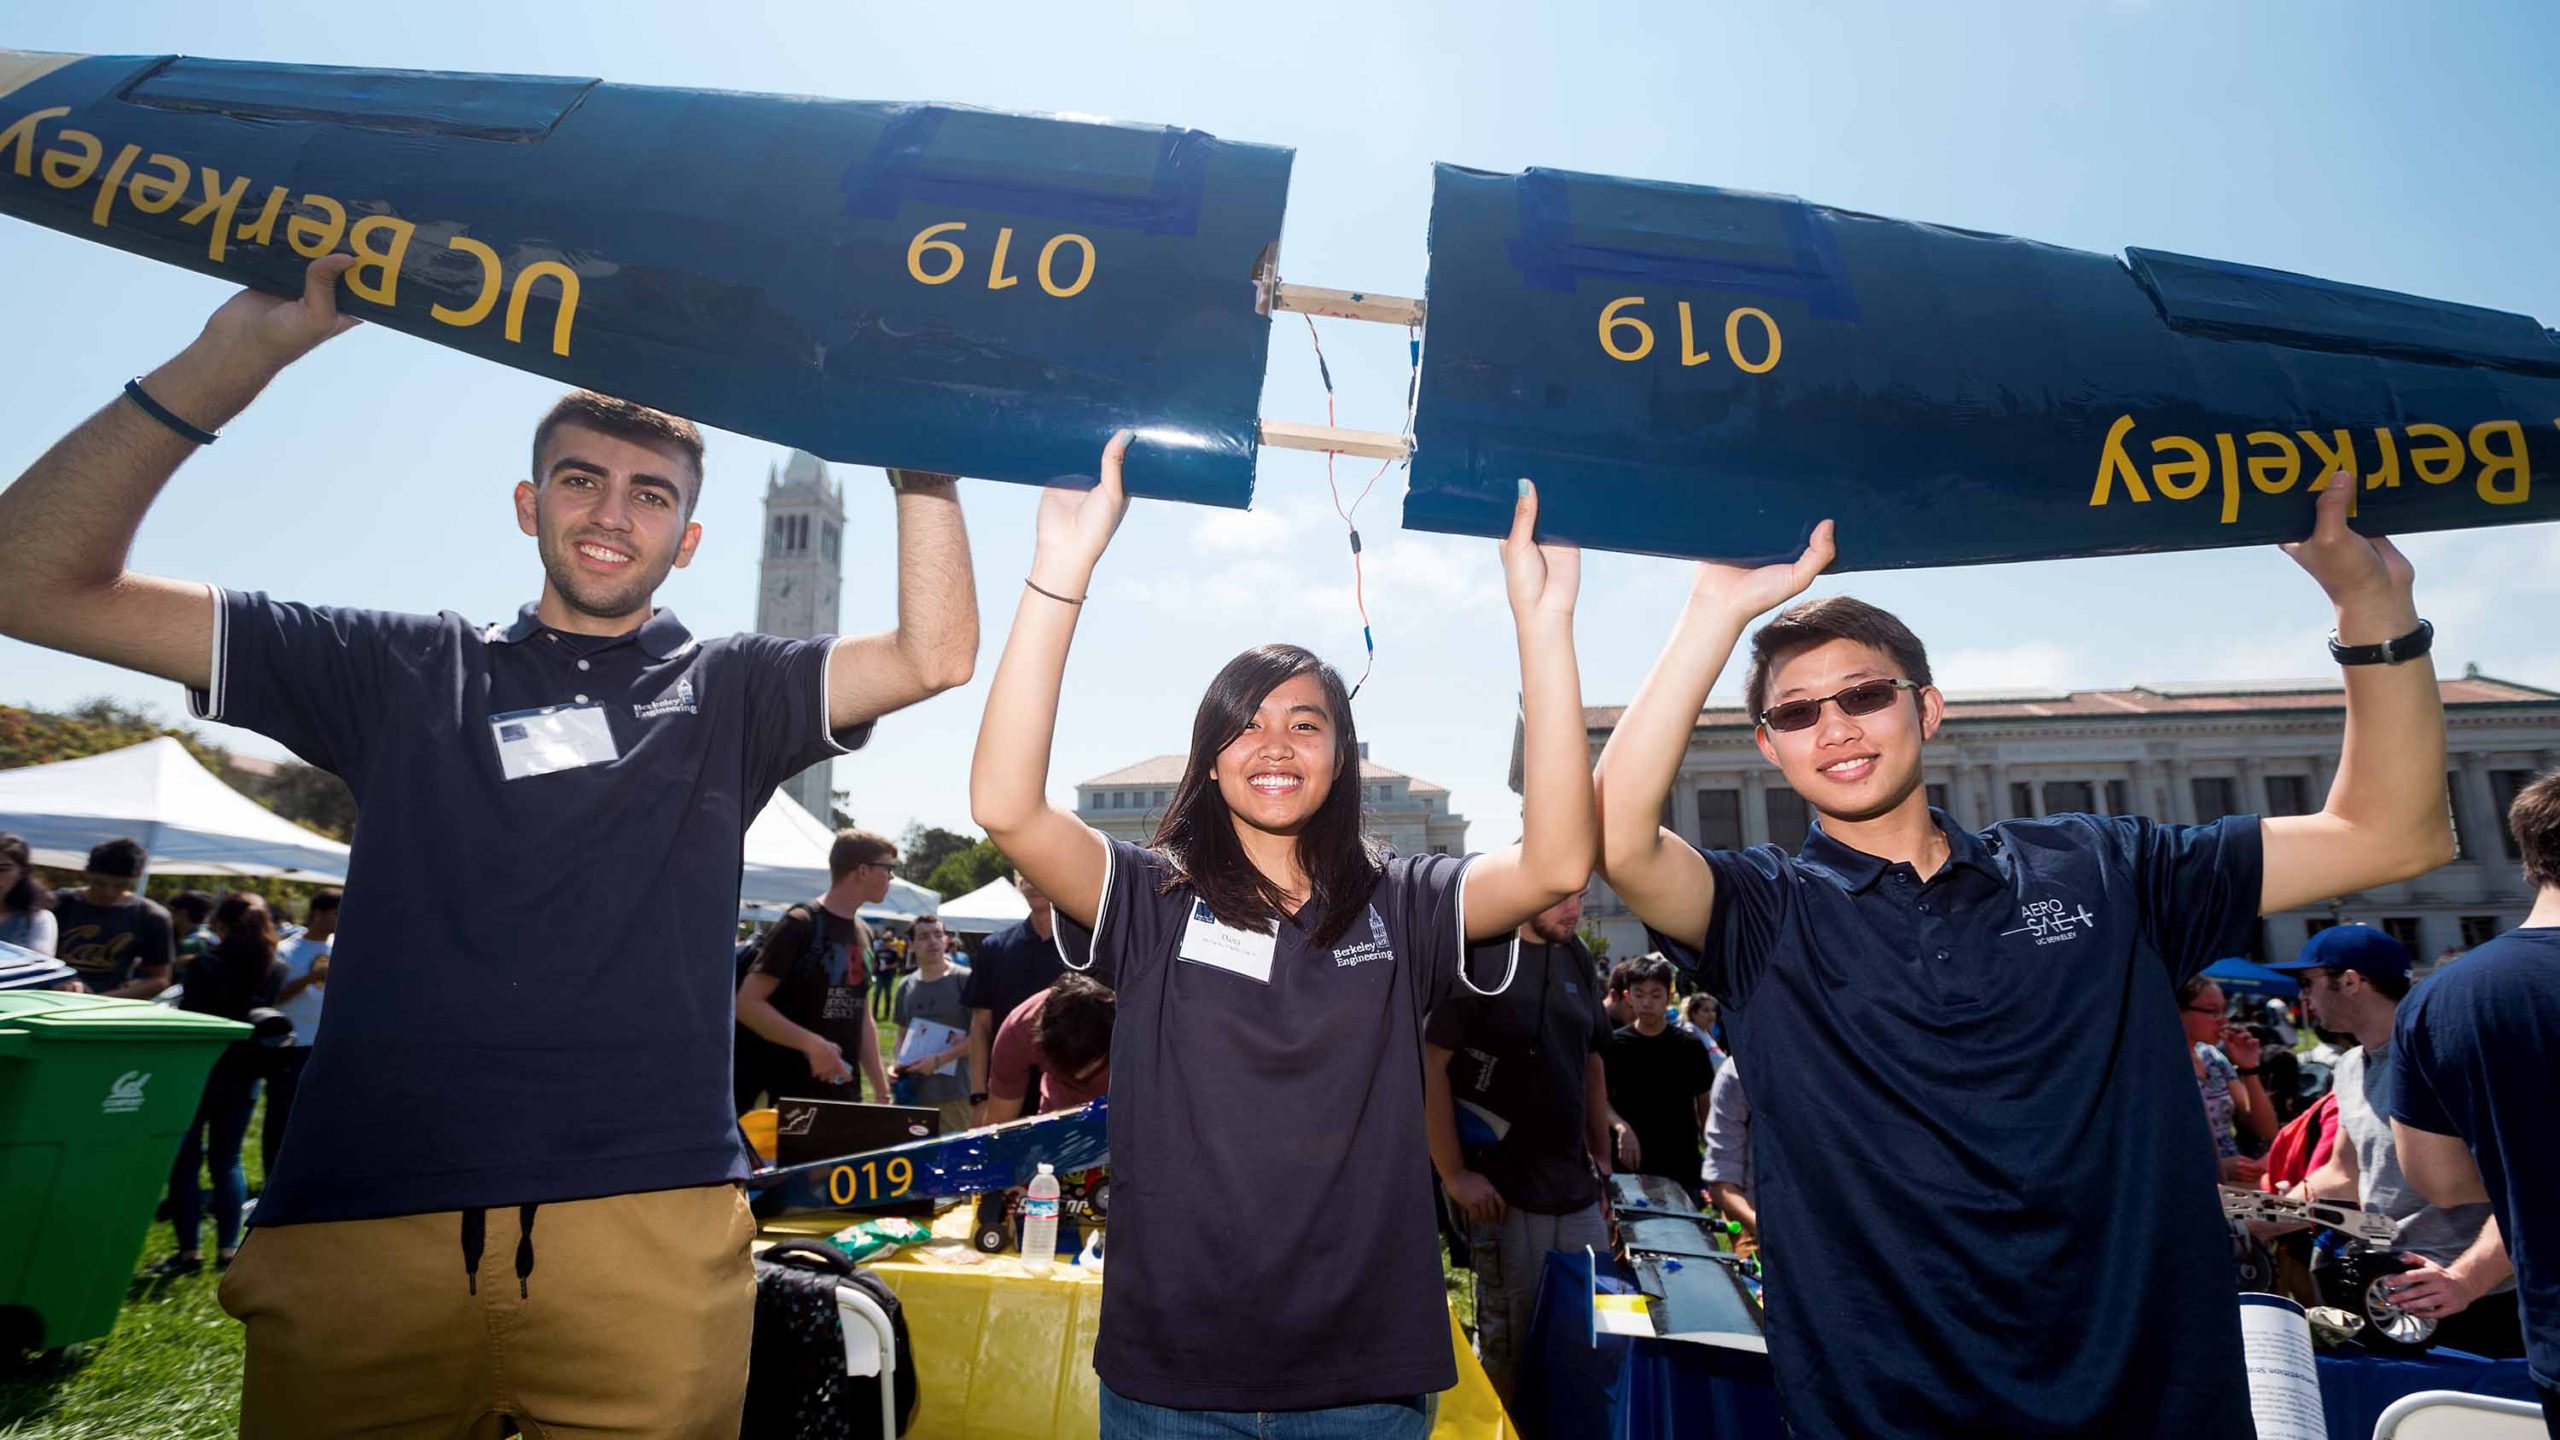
pixel 1003 1355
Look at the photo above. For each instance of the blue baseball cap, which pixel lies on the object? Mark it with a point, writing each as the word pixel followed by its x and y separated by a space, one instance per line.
pixel 2351 947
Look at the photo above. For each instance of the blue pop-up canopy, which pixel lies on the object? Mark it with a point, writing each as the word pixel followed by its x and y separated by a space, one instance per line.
pixel 2239 974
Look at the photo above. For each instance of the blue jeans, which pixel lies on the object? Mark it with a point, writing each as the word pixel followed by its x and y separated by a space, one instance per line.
pixel 1127 1419
pixel 230 1095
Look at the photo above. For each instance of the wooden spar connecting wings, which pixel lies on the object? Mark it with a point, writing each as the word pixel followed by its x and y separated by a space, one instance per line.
pixel 1342 305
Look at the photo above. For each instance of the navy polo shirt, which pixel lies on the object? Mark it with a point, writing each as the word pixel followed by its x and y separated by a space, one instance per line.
pixel 1985 1189
pixel 1011 966
pixel 529 999
pixel 2475 1048
pixel 1273 1240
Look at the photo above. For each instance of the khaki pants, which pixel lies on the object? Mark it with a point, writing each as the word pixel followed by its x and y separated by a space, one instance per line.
pixel 633 1320
pixel 1508 1258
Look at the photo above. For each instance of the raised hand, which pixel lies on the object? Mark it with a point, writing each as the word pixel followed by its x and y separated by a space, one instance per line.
pixel 270 332
pixel 1076 526
pixel 1745 591
pixel 2359 574
pixel 1540 578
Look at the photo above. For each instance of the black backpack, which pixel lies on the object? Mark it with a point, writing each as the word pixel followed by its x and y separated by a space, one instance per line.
pixel 796 1385
pixel 757 1064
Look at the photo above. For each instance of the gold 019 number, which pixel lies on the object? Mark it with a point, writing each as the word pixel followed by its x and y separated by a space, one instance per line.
pixel 1625 335
pixel 853 1185
pixel 1064 268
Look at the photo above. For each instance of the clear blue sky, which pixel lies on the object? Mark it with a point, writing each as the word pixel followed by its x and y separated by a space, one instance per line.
pixel 2401 146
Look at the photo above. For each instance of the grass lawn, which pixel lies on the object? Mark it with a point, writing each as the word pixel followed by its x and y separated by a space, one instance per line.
pixel 171 1370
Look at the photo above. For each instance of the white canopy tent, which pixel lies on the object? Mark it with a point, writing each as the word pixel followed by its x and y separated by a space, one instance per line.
pixel 156 793
pixel 786 863
pixel 985 910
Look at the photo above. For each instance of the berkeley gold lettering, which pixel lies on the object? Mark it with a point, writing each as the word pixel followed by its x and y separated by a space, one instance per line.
pixel 379 241
pixel 2440 458
pixel 2112 461
pixel 2230 476
pixel 157 194
pixel 2330 459
pixel 2385 476
pixel 2513 464
pixel 311 238
pixel 64 170
pixel 221 205
pixel 262 230
pixel 21 136
pixel 2273 473
pixel 2179 479
pixel 568 279
pixel 478 310
pixel 114 183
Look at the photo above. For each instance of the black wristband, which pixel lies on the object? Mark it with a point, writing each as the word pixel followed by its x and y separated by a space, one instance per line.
pixel 2390 652
pixel 196 434
pixel 2248 1069
pixel 977 1097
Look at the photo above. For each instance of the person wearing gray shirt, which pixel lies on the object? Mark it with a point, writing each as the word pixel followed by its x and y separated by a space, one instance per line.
pixel 2353 979
pixel 1728 1171
pixel 932 994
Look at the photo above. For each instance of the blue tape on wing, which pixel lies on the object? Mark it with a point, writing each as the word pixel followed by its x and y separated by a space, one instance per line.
pixel 1763 244
pixel 424 102
pixel 1146 179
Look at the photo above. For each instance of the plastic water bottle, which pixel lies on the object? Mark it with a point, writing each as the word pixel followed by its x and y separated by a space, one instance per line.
pixel 1040 1221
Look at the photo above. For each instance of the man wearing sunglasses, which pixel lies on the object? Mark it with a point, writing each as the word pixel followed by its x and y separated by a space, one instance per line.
pixel 1984 1184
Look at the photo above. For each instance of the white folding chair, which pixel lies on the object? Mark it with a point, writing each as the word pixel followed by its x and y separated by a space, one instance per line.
pixel 871 1348
pixel 2454 1415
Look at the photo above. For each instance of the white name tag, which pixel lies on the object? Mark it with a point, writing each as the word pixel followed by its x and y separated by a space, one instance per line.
pixel 1206 942
pixel 557 737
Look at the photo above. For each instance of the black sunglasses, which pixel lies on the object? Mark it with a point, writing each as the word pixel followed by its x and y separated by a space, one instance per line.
pixel 1864 698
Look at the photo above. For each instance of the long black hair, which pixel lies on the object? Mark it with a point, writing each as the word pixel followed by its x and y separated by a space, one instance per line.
pixel 1198 832
pixel 26 896
pixel 240 972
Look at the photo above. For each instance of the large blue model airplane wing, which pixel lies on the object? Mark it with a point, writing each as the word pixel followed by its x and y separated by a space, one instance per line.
pixel 918 285
pixel 1708 373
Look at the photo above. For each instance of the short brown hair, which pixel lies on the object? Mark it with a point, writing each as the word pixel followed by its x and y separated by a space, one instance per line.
pixel 857 847
pixel 620 418
pixel 1073 1028
pixel 2534 819
pixel 1802 626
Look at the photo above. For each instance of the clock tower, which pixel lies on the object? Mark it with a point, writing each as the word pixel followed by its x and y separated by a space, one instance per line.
pixel 800 578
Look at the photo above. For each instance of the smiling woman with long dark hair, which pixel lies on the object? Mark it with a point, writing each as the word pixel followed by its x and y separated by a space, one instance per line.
pixel 1273 1244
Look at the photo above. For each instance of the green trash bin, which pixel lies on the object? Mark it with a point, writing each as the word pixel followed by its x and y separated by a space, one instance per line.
pixel 94 1097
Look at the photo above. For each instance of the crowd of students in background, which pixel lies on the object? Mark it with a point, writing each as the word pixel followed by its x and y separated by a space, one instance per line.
pixel 229 956
pixel 1646 1083
pixel 1640 1079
